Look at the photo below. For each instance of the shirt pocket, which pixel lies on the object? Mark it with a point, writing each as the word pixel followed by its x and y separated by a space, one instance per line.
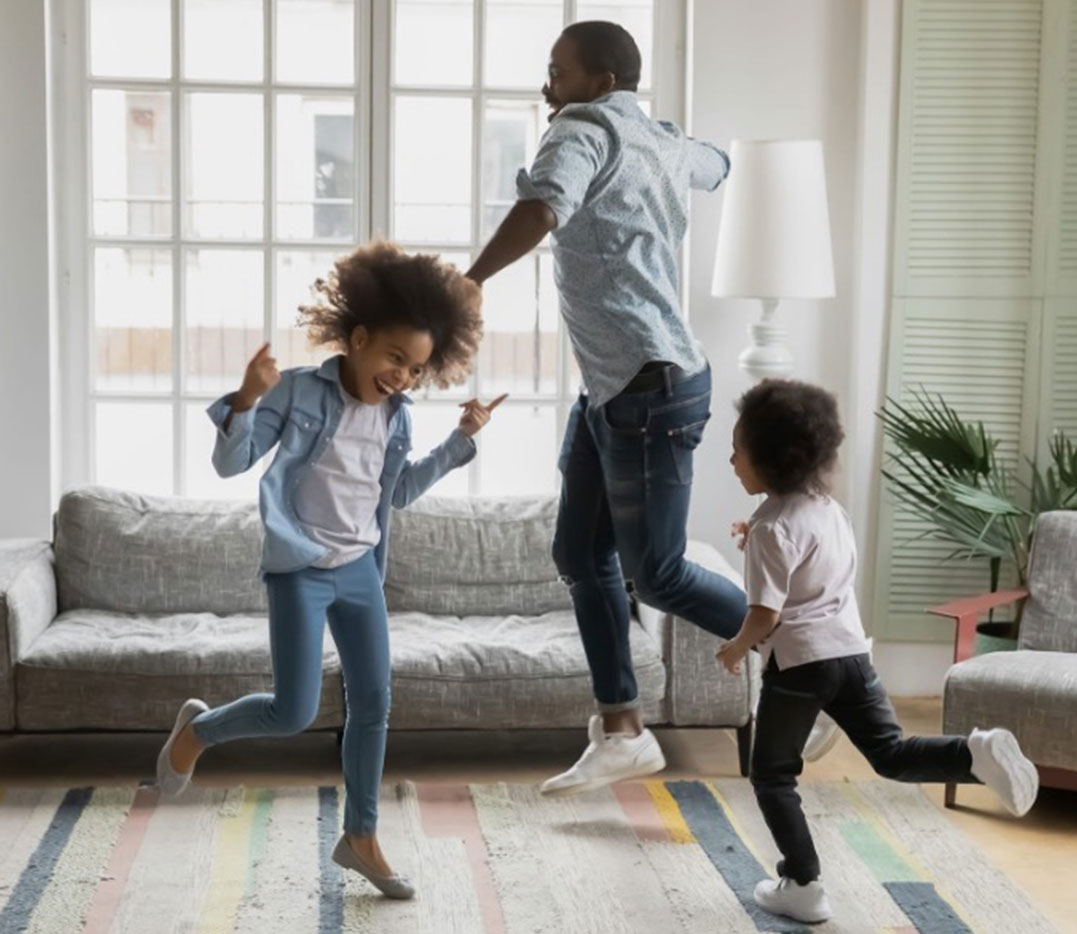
pixel 301 430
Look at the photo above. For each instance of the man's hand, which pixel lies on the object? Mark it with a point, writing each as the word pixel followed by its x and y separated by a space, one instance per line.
pixel 731 654
pixel 739 531
pixel 476 415
pixel 261 376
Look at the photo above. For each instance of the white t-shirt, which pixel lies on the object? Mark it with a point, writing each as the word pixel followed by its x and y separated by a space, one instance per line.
pixel 337 499
pixel 800 560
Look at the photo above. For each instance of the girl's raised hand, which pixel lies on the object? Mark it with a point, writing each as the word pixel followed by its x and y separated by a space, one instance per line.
pixel 261 376
pixel 476 415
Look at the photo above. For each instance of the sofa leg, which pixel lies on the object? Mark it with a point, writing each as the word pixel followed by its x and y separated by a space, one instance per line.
pixel 744 746
pixel 950 796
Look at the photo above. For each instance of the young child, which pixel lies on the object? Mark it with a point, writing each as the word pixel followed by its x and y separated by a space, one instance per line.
pixel 800 569
pixel 344 432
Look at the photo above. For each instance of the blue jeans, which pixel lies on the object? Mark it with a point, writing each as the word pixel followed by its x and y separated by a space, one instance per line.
pixel 351 598
pixel 627 468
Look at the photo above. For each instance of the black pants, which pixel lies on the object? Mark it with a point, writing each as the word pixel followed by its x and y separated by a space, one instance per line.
pixel 850 691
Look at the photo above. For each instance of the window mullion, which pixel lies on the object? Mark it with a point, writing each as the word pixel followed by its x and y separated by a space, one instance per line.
pixel 478 111
pixel 269 180
pixel 179 148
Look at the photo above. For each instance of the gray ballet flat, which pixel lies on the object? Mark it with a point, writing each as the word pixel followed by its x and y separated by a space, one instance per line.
pixel 389 886
pixel 169 781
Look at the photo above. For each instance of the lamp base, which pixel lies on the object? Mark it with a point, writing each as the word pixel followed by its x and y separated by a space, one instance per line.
pixel 767 357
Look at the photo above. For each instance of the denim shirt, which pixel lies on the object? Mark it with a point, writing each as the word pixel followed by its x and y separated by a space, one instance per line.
pixel 303 412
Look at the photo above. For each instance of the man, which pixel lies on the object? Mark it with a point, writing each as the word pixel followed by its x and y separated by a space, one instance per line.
pixel 610 186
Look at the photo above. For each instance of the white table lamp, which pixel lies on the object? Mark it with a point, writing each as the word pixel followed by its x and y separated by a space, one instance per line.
pixel 774 240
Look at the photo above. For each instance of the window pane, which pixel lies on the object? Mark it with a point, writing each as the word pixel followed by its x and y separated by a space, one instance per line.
pixel 132 163
pixel 133 319
pixel 131 38
pixel 432 42
pixel 223 316
pixel 511 131
pixel 133 443
pixel 519 35
pixel 315 167
pixel 225 181
pixel 202 479
pixel 223 40
pixel 637 16
pixel 430 425
pixel 432 170
pixel 518 451
pixel 519 346
pixel 296 272
pixel 315 41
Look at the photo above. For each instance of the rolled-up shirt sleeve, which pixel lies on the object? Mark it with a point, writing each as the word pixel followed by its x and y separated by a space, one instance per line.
pixel 768 564
pixel 570 155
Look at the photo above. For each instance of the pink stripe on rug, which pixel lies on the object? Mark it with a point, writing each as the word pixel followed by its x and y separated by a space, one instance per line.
pixel 110 892
pixel 448 811
pixel 643 817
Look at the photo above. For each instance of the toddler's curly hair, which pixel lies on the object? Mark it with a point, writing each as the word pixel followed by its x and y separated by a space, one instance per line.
pixel 791 432
pixel 380 286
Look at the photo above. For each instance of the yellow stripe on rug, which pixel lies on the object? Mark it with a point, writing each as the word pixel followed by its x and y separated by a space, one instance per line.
pixel 231 861
pixel 669 812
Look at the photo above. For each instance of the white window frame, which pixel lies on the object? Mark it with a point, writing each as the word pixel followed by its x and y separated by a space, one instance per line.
pixel 373 94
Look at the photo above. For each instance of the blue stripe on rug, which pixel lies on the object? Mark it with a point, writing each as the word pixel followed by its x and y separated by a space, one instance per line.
pixel 727 852
pixel 928 912
pixel 38 872
pixel 331 898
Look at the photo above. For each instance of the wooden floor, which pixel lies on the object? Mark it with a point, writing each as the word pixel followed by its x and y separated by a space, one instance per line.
pixel 1039 852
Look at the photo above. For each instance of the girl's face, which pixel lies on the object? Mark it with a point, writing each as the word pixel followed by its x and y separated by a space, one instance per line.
pixel 567 81
pixel 742 465
pixel 385 362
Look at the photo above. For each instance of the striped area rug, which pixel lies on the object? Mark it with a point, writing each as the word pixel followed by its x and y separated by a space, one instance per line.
pixel 650 857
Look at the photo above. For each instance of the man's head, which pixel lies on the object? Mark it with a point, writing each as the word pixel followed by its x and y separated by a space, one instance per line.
pixel 590 59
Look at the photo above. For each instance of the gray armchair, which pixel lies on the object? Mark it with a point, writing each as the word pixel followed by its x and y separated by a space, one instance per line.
pixel 1031 691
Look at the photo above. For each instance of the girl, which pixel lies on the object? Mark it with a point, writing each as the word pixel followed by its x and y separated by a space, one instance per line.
pixel 800 570
pixel 344 432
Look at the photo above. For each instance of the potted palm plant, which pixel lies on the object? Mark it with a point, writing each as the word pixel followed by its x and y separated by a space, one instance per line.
pixel 947 472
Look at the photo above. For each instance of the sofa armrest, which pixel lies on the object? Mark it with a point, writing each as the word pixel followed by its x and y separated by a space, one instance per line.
pixel 964 613
pixel 27 606
pixel 699 691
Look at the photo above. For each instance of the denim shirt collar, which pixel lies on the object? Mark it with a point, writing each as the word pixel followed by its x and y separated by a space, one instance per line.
pixel 330 371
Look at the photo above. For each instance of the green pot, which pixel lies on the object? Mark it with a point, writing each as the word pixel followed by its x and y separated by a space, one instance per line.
pixel 995 637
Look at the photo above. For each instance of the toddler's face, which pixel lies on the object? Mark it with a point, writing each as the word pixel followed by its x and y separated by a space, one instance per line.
pixel 742 465
pixel 387 361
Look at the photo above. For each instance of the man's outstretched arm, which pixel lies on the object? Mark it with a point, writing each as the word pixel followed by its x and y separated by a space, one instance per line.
pixel 523 229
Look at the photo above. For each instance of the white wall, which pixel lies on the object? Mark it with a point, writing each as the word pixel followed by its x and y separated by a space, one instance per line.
pixel 769 69
pixel 27 401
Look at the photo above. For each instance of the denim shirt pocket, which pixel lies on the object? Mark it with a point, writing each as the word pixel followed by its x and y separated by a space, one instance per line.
pixel 301 431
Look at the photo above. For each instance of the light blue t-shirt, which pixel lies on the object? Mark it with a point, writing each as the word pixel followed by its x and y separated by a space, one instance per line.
pixel 618 182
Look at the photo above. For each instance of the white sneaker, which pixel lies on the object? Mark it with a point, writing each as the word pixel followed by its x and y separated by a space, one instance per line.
pixel 824 734
pixel 609 758
pixel 807 903
pixel 998 762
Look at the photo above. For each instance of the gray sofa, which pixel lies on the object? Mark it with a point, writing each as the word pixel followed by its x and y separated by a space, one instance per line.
pixel 140 602
pixel 1032 691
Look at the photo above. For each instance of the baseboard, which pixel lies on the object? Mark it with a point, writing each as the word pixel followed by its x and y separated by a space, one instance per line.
pixel 912 669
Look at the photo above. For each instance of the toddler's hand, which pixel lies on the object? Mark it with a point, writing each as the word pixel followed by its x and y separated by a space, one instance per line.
pixel 740 532
pixel 476 415
pixel 261 376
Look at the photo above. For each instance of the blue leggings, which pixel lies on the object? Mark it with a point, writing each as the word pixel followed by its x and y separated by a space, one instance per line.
pixel 351 598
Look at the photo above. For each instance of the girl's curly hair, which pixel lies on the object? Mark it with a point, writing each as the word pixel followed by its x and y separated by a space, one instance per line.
pixel 791 432
pixel 380 286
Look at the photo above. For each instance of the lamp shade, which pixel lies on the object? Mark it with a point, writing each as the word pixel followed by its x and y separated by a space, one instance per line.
pixel 774 238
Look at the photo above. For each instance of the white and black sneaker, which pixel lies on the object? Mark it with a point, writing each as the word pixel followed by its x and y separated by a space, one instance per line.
pixel 998 762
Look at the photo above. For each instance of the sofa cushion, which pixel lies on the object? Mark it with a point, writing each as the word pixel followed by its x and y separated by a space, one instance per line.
pixel 480 556
pixel 93 669
pixel 1033 694
pixel 143 554
pixel 484 672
